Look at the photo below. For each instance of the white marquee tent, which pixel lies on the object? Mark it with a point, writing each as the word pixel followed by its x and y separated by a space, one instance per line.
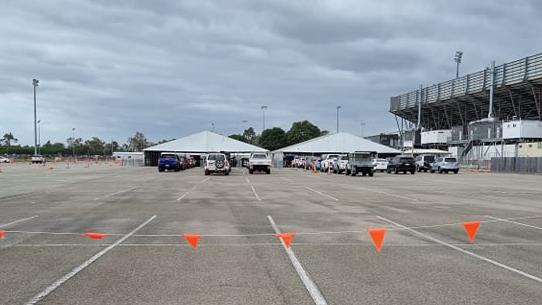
pixel 199 143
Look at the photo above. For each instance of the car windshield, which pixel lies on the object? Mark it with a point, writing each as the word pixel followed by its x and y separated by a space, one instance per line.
pixel 344 158
pixel 216 157
pixel 168 156
pixel 429 158
pixel 406 160
pixel 259 156
pixel 450 160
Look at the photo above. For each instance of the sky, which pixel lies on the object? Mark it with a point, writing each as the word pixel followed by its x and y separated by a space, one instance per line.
pixel 173 68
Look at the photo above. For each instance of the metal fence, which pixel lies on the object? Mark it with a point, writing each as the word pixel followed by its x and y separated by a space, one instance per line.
pixel 525 165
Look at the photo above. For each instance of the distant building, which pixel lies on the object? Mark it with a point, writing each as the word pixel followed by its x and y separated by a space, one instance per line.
pixel 391 139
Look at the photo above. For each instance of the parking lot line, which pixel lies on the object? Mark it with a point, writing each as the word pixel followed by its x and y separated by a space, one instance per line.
pixel 17 221
pixel 116 193
pixel 205 180
pixel 515 222
pixel 255 194
pixel 182 196
pixel 37 298
pixel 483 258
pixel 322 194
pixel 303 275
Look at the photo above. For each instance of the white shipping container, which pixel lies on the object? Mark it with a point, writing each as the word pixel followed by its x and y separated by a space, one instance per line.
pixel 436 136
pixel 522 129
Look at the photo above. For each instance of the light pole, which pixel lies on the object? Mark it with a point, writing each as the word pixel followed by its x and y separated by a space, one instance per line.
pixel 338 108
pixel 244 122
pixel 73 143
pixel 362 124
pixel 213 126
pixel 39 137
pixel 457 59
pixel 35 83
pixel 263 117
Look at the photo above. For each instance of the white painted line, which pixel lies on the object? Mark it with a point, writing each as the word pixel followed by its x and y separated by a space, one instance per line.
pixel 182 196
pixel 255 194
pixel 433 239
pixel 392 195
pixel 116 193
pixel 322 194
pixel 515 222
pixel 303 275
pixel 205 180
pixel 315 244
pixel 17 221
pixel 37 298
pixel 248 181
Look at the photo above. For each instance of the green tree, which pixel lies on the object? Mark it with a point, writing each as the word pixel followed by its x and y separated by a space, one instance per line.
pixel 273 138
pixel 8 138
pixel 250 135
pixel 302 131
pixel 138 142
pixel 237 137
pixel 94 146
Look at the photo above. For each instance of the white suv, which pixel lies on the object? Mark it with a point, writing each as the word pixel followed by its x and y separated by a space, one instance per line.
pixel 217 163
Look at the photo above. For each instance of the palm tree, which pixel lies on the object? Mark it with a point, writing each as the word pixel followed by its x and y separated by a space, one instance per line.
pixel 8 138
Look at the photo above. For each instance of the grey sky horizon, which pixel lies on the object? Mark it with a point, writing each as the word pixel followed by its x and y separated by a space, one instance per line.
pixel 171 68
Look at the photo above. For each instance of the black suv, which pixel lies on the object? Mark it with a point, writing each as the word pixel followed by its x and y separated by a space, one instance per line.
pixel 402 164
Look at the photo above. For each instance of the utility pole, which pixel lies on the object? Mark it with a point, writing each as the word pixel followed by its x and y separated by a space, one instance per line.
pixel 264 108
pixel 213 126
pixel 457 59
pixel 35 83
pixel 491 88
pixel 39 137
pixel 338 108
pixel 73 143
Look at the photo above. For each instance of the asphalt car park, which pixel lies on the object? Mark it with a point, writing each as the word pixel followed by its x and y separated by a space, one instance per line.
pixel 426 257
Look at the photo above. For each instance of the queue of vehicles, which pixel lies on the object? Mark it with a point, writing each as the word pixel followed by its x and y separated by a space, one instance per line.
pixel 366 163
pixel 175 162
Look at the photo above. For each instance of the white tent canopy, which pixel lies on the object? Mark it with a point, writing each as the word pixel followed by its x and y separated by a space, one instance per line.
pixel 205 141
pixel 341 142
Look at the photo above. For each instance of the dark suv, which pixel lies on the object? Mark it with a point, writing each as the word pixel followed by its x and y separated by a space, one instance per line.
pixel 169 161
pixel 402 164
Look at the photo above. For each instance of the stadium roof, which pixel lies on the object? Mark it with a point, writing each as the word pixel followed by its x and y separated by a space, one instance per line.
pixel 205 141
pixel 456 102
pixel 341 142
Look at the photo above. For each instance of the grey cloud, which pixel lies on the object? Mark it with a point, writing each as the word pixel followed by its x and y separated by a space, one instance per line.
pixel 170 68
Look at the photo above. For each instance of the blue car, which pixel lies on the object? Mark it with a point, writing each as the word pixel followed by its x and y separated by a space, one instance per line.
pixel 169 161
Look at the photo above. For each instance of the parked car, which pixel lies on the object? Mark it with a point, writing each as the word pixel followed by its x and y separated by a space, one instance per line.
pixel 423 162
pixel 328 161
pixel 169 161
pixel 402 164
pixel 216 163
pixel 37 159
pixel 259 162
pixel 340 164
pixel 4 160
pixel 445 165
pixel 380 165
pixel 360 162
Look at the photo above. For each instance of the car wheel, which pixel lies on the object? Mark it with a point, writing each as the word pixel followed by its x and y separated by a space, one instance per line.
pixel 207 173
pixel 364 174
pixel 456 171
pixel 432 171
pixel 268 171
pixel 160 169
pixel 439 171
pixel 371 174
pixel 226 173
pixel 251 171
pixel 396 171
pixel 412 172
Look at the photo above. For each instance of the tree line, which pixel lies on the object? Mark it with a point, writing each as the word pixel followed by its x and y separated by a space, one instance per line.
pixel 276 137
pixel 92 146
pixel 271 139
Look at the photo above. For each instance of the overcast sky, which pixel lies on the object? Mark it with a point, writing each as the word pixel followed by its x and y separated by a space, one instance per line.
pixel 171 68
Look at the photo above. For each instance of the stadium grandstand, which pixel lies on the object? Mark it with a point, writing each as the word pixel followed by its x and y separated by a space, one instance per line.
pixel 490 113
